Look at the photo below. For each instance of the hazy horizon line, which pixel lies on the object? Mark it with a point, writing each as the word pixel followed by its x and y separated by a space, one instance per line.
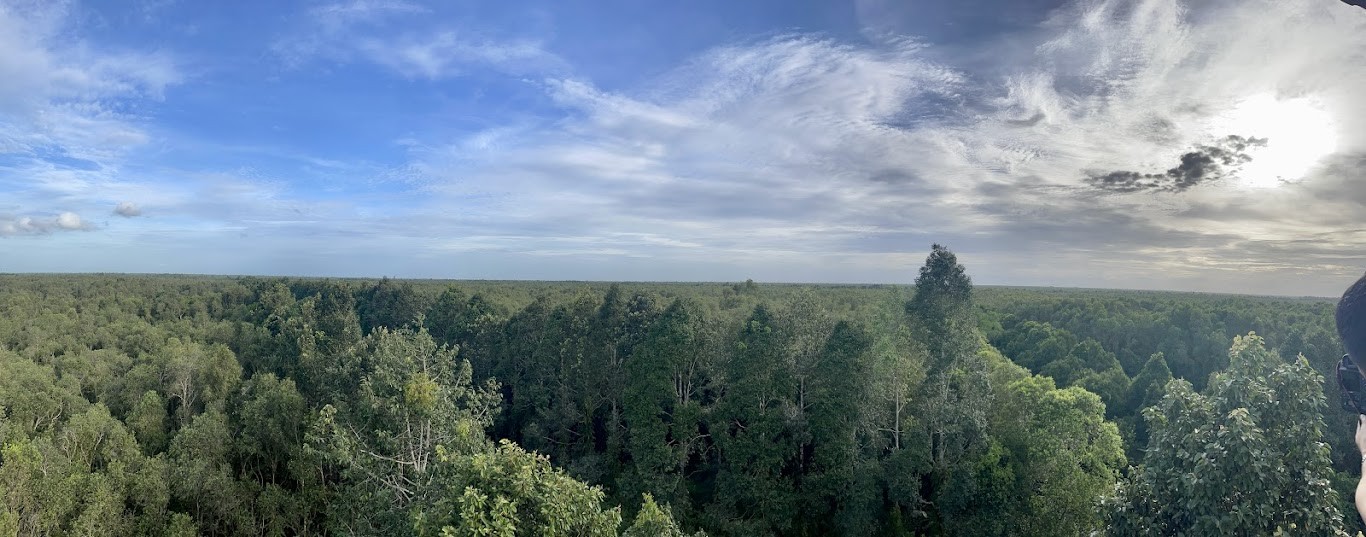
pixel 665 282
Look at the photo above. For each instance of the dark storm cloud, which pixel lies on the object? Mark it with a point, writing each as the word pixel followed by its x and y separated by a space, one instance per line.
pixel 1125 181
pixel 1206 163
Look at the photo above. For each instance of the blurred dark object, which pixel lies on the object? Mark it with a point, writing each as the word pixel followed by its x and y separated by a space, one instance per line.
pixel 1352 385
pixel 1357 3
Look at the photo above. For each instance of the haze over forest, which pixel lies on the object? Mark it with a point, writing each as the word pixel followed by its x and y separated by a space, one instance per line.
pixel 1204 146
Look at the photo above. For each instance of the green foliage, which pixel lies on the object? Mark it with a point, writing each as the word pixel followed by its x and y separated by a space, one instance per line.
pixel 1244 458
pixel 955 396
pixel 218 406
pixel 508 491
pixel 150 423
pixel 448 316
pixel 653 521
pixel 1050 457
pixel 35 401
pixel 1112 385
pixel 389 304
pixel 90 479
pixel 277 416
pixel 753 435
pixel 942 312
pixel 202 481
pixel 662 405
pixel 1057 456
pixel 1150 383
pixel 838 488
pixel 414 397
pixel 198 377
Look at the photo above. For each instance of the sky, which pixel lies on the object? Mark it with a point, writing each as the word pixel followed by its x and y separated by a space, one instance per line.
pixel 1217 145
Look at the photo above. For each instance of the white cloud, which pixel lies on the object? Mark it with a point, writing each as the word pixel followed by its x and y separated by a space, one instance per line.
pixel 69 220
pixel 127 209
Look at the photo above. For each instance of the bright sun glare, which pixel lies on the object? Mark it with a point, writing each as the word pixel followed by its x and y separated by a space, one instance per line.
pixel 1299 133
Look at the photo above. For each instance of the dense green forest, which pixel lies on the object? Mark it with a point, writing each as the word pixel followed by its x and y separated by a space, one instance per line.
pixel 174 405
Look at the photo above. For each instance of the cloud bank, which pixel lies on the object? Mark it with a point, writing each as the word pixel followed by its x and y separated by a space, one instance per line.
pixel 27 225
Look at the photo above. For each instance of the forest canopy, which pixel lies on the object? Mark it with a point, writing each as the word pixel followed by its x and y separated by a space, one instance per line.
pixel 176 405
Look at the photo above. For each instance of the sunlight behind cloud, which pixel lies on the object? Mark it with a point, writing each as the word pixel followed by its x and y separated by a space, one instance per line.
pixel 1300 133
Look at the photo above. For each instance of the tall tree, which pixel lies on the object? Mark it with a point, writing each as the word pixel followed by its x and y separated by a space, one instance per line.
pixel 956 393
pixel 618 330
pixel 753 434
pixel 338 325
pixel 898 361
pixel 567 421
pixel 199 377
pixel 806 327
pixel 1146 390
pixel 663 406
pixel 524 373
pixel 838 488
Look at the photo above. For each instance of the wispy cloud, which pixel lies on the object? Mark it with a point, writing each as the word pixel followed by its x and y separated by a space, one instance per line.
pixel 401 37
pixel 446 53
pixel 345 14
pixel 324 30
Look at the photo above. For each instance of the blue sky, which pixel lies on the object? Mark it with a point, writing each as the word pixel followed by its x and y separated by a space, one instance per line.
pixel 1213 146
